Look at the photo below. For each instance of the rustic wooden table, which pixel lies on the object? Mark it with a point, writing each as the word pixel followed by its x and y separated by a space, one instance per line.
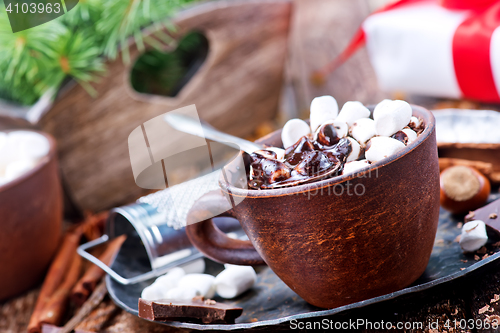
pixel 316 39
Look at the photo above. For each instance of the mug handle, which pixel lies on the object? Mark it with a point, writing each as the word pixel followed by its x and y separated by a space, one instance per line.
pixel 210 240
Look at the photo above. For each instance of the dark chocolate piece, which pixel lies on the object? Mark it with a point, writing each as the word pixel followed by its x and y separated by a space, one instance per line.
pixel 197 311
pixel 485 214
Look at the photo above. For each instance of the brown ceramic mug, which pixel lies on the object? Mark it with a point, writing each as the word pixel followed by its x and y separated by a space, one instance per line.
pixel 31 209
pixel 335 247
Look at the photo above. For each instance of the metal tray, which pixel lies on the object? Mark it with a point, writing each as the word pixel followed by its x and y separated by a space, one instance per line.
pixel 271 302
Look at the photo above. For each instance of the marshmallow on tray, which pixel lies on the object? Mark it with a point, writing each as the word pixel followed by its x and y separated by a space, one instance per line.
pixel 473 236
pixel 195 266
pixel 234 280
pixel 154 292
pixel 203 283
pixel 181 293
pixel 323 108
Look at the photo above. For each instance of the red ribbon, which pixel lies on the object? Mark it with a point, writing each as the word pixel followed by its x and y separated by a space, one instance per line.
pixel 466 4
pixel 471 54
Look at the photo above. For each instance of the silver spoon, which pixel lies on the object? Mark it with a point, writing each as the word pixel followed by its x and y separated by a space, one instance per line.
pixel 194 127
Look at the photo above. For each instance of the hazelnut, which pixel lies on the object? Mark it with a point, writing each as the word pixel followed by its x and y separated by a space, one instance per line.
pixel 463 189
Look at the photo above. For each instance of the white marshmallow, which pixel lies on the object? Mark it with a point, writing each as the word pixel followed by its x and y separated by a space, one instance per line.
pixel 382 147
pixel 153 292
pixel 235 280
pixel 391 117
pixel 352 111
pixel 171 279
pixel 280 153
pixel 17 168
pixel 414 122
pixel 293 130
pixel 195 266
pixel 355 150
pixel 354 166
pixel 203 283
pixel 411 134
pixel 363 130
pixel 381 103
pixel 322 109
pixel 29 144
pixel 473 236
pixel 182 293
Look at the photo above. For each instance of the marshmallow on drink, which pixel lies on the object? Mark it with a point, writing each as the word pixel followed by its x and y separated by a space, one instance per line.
pixel 280 153
pixel 355 150
pixel 293 130
pixel 354 166
pixel 473 236
pixel 381 147
pixel 363 130
pixel 391 117
pixel 414 122
pixel 203 283
pixel 411 134
pixel 352 111
pixel 234 280
pixel 322 109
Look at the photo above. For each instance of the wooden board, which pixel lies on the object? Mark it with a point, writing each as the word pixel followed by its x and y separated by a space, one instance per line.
pixel 236 88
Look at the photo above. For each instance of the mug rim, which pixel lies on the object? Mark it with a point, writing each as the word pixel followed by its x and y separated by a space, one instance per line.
pixel 318 185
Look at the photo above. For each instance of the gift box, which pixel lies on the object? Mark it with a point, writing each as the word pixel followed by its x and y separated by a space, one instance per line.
pixel 434 48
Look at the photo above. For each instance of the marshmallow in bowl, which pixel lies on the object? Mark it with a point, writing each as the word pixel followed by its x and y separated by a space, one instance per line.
pixel 323 108
pixel 293 130
pixel 20 151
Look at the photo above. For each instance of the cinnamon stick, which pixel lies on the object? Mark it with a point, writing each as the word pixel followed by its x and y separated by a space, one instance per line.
pixel 55 276
pixel 54 309
pixel 93 225
pixel 94 274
